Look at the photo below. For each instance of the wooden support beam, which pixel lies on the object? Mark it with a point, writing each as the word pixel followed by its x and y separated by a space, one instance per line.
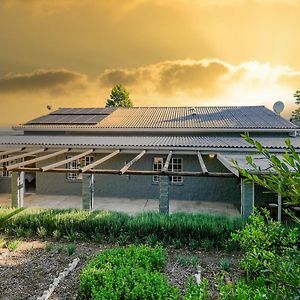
pixel 35 160
pixel 166 166
pixel 128 172
pixel 202 164
pixel 11 151
pixel 127 166
pixel 99 161
pixel 11 158
pixel 227 164
pixel 65 161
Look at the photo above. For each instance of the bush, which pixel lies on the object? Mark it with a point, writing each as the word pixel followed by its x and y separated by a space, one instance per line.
pixel 272 258
pixel 153 228
pixel 7 212
pixel 197 291
pixel 127 273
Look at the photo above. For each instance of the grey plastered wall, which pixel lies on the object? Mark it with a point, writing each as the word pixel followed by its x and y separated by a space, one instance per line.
pixel 134 186
pixel 5 184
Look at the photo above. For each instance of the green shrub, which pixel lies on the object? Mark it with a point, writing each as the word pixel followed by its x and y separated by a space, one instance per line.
pixel 71 249
pixel 127 273
pixel 7 212
pixel 49 247
pixel 179 229
pixel 13 245
pixel 208 244
pixel 225 264
pixel 196 291
pixel 272 256
pixel 60 248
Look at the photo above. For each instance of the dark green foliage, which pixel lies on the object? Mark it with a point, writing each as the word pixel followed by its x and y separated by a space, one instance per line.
pixel 208 244
pixel 6 213
pixel 197 291
pixel 187 260
pixel 283 178
pixel 119 97
pixel 296 113
pixel 272 259
pixel 153 228
pixel 225 264
pixel 49 247
pixel 127 273
pixel 70 249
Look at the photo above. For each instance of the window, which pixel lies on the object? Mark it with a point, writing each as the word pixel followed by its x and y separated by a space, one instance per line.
pixel 76 164
pixel 5 173
pixel 157 166
pixel 174 166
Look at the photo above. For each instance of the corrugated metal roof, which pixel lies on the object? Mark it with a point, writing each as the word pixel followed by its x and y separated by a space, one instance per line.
pixel 155 142
pixel 195 117
pixel 163 119
pixel 260 161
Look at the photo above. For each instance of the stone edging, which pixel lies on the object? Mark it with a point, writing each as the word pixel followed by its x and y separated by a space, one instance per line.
pixel 47 293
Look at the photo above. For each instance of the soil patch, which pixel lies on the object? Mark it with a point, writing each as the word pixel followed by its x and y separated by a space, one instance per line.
pixel 29 269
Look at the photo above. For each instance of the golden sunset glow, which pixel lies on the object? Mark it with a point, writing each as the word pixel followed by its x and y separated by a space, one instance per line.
pixel 165 52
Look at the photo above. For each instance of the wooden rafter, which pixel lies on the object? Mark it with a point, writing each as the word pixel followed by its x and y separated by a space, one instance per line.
pixel 11 151
pixel 227 164
pixel 127 166
pixel 99 161
pixel 202 164
pixel 11 158
pixel 166 166
pixel 35 160
pixel 129 172
pixel 65 161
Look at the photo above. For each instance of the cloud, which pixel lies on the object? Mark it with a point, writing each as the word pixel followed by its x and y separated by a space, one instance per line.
pixel 42 80
pixel 291 79
pixel 166 83
pixel 201 76
pixel 205 82
pixel 169 77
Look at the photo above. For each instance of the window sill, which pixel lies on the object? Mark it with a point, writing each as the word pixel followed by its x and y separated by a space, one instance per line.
pixel 73 180
pixel 177 183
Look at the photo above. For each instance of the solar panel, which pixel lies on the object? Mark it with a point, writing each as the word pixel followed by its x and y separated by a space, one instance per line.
pixel 84 111
pixel 68 119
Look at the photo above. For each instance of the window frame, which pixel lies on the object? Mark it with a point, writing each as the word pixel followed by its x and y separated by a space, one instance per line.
pixel 156 167
pixel 76 164
pixel 4 173
pixel 174 179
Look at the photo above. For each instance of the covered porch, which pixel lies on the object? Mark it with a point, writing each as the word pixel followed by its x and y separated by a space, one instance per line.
pixel 18 165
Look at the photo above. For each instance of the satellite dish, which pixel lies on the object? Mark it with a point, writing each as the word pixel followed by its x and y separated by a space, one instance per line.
pixel 278 107
pixel 49 107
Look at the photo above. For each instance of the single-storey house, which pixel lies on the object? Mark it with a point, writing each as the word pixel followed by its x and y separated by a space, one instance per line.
pixel 159 153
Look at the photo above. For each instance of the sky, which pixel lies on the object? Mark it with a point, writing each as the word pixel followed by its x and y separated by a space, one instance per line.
pixel 70 53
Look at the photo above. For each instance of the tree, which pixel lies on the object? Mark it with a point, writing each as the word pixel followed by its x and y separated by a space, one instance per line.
pixel 119 97
pixel 283 176
pixel 296 113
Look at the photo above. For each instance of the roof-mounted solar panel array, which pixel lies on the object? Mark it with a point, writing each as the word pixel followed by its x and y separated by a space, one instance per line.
pixel 76 116
pixel 84 111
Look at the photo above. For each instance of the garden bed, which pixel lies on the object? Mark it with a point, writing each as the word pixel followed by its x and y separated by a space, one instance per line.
pixel 31 267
